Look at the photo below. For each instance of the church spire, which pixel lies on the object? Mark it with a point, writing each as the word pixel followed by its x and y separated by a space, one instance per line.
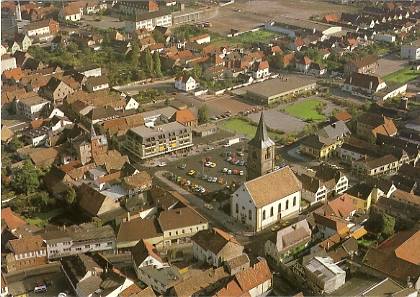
pixel 261 139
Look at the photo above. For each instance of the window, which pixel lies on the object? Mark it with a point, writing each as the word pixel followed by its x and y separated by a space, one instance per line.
pixel 287 204
pixel 87 246
pixel 170 233
pixel 109 243
pixel 250 214
pixel 294 201
pixel 237 208
pixel 263 214
pixel 272 211
pixel 78 249
pixel 279 210
pixel 97 245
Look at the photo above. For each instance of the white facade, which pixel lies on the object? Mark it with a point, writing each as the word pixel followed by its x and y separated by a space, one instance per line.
pixel 320 195
pixel 261 73
pixel 132 104
pixel 411 51
pixel 384 37
pixel 149 23
pixel 244 208
pixel 30 107
pixel 7 64
pixel 342 185
pixel 92 72
pixel 189 85
pixel 39 31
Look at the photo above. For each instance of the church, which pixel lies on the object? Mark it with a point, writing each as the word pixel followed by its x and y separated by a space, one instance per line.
pixel 267 195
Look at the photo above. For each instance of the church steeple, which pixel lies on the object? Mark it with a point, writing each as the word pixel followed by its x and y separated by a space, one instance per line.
pixel 260 152
pixel 261 139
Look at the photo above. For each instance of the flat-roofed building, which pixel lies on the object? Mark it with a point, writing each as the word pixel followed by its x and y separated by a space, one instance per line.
pixel 276 89
pixel 144 142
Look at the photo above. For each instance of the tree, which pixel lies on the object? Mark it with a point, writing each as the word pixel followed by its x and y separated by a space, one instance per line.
pixel 197 72
pixel 133 55
pixel 381 224
pixel 156 62
pixel 203 114
pixel 72 47
pixel 26 179
pixel 158 37
pixel 70 196
pixel 147 64
pixel 14 145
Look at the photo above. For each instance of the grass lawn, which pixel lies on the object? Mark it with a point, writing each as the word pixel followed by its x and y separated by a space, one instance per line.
pixel 305 110
pixel 403 75
pixel 242 127
pixel 43 217
pixel 245 38
pixel 365 242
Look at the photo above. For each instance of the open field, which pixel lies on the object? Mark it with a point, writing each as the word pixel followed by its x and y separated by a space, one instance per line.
pixel 403 75
pixel 242 127
pixel 246 15
pixel 305 110
pixel 246 38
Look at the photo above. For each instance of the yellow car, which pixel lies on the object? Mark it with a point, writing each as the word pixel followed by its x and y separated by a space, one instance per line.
pixel 275 228
pixel 191 172
pixel 212 165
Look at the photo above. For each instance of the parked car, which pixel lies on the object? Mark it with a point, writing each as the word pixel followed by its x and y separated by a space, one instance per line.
pixel 275 228
pixel 188 183
pixel 162 164
pixel 191 172
pixel 178 179
pixel 235 171
pixel 220 180
pixel 210 179
pixel 212 165
pixel 241 163
pixel 182 166
pixel 225 170
pixel 207 164
pixel 227 145
pixel 209 148
pixel 214 180
pixel 229 172
pixel 204 177
pixel 208 206
pixel 276 168
pixel 241 172
pixel 229 159
pixel 40 287
pixel 240 154
pixel 259 258
pixel 237 162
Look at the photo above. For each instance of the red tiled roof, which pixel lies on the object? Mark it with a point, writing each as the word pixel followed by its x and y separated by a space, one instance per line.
pixel 185 116
pixel 12 221
pixel 15 73
pixel 343 116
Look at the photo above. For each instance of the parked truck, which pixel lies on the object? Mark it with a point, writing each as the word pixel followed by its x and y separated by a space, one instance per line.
pixel 231 141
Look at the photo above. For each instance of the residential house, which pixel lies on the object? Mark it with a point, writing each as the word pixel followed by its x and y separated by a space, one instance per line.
pixel 7 62
pixel 202 283
pixel 4 287
pixel 288 242
pixel 363 196
pixel 129 232
pixel 336 131
pixel 11 221
pixel 237 264
pixel 148 21
pixel 342 116
pixel 317 69
pixel 185 82
pixel 296 44
pixel 94 84
pixel 27 252
pixel 145 142
pixel 260 69
pixel 303 64
pixel 42 28
pixel 140 7
pixel 329 225
pixel 254 281
pixel 12 76
pixel 409 199
pixel 185 117
pixel 411 51
pixel 363 85
pixel 22 41
pixel 319 146
pixel 364 65
pixel 200 39
pixel 313 190
pixel 30 107
pixel 323 275
pixel 93 203
pixel 137 183
pixel 179 225
pixel 70 13
pixel 56 90
pixel 215 246
pixel 389 265
pixel 258 205
pixel 369 125
pixel 89 238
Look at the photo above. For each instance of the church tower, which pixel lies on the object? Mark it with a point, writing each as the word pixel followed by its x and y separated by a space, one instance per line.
pixel 261 152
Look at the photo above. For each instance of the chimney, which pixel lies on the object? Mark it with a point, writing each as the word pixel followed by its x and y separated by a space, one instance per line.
pixel 404 103
pixel 128 216
pixel 328 245
pixel 370 85
pixel 351 79
pixel 358 194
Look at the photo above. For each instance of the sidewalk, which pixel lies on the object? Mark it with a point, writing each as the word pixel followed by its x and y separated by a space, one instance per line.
pixel 215 216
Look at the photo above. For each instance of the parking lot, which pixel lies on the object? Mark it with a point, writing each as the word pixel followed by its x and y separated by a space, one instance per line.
pixel 222 172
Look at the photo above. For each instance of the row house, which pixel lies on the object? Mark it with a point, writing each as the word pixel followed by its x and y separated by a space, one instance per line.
pixel 369 125
pixel 364 65
pixel 138 7
pixel 376 166
pixel 40 28
pixel 25 253
pixel 20 42
pixel 70 13
pixel 148 21
pixel 363 85
pixel 30 107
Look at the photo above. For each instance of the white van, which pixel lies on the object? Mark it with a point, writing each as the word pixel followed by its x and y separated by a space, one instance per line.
pixel 40 289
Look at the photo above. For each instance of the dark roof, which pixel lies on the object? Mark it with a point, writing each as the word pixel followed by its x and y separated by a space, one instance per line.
pixel 138 228
pixel 391 265
pixel 364 61
pixel 97 81
pixel 214 240
pixel 101 112
pixel 363 80
pixel 261 139
pixel 361 191
pixel 371 119
pixel 142 250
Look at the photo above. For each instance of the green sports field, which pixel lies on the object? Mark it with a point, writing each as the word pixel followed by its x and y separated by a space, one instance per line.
pixel 305 110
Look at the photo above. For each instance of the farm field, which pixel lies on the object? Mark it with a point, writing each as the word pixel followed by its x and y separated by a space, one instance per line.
pixel 403 75
pixel 242 127
pixel 305 110
pixel 245 38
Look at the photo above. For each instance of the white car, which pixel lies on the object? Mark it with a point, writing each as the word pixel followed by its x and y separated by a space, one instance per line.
pixel 259 258
pixel 208 164
pixel 162 164
pixel 225 170
pixel 214 179
pixel 227 145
